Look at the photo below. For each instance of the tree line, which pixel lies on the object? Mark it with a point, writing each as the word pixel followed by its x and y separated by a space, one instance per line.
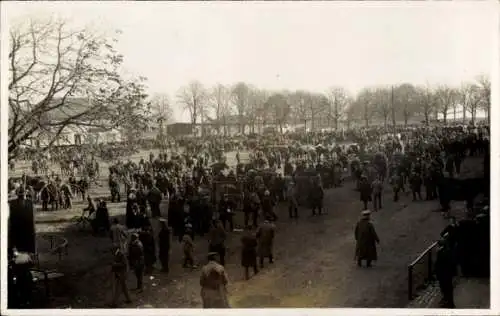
pixel 388 105
pixel 52 64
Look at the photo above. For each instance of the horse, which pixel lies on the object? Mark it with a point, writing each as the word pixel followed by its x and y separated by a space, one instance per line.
pixel 451 189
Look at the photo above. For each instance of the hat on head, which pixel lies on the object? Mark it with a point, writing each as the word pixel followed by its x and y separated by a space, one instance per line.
pixel 365 213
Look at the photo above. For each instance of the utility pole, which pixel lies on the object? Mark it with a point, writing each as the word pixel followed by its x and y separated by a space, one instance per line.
pixel 393 111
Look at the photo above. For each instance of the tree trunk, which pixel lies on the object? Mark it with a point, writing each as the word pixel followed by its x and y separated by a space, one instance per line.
pixel 464 114
pixel 454 113
pixel 426 115
pixel 473 115
pixel 445 116
pixel 225 125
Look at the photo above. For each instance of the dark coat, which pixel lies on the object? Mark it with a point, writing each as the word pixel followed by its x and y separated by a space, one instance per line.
pixel 249 250
pixel 365 191
pixel 366 240
pixel 265 236
pixel 149 247
pixel 164 243
pixel 444 266
pixel 136 254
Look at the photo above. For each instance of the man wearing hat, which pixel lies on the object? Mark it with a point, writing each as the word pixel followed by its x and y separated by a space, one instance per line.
pixel 149 247
pixel 164 245
pixel 119 269
pixel 217 240
pixel 136 258
pixel 213 281
pixel 445 270
pixel 265 237
pixel 366 240
pixel 118 234
pixel 249 252
pixel 365 191
pixel 226 211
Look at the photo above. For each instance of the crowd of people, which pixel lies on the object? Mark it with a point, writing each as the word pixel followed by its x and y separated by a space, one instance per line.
pixel 193 192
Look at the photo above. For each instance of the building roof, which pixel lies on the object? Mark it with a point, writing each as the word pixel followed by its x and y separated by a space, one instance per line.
pixel 71 107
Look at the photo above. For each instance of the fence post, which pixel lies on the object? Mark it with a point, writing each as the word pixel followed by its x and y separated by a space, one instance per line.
pixel 410 282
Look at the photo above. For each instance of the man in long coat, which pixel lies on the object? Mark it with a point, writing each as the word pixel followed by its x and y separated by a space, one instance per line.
pixel 213 281
pixel 164 245
pixel 365 191
pixel 249 252
pixel 366 240
pixel 265 237
pixel 149 246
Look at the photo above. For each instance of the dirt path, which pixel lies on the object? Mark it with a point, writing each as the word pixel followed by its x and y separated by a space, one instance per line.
pixel 314 261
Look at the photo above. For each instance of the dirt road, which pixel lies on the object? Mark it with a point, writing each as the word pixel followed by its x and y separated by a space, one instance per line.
pixel 314 260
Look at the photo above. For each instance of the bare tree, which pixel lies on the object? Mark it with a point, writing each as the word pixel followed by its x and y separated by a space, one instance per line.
pixel 162 114
pixel 193 98
pixel 426 100
pixel 299 103
pixel 363 106
pixel 464 94
pixel 63 78
pixel 447 99
pixel 161 108
pixel 350 113
pixel 475 100
pixel 382 101
pixel 406 101
pixel 280 109
pixel 339 100
pixel 256 111
pixel 485 84
pixel 318 104
pixel 240 93
pixel 220 102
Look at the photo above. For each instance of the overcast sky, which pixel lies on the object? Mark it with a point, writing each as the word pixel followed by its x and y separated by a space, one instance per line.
pixel 291 45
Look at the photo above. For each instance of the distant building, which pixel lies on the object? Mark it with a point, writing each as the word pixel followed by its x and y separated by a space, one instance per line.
pixel 180 129
pixel 72 134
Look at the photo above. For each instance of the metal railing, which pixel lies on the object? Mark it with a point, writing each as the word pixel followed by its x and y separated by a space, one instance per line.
pixel 421 270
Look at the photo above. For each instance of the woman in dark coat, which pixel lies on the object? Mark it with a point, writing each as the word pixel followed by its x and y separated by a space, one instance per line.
pixel 249 252
pixel 101 220
pixel 366 240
